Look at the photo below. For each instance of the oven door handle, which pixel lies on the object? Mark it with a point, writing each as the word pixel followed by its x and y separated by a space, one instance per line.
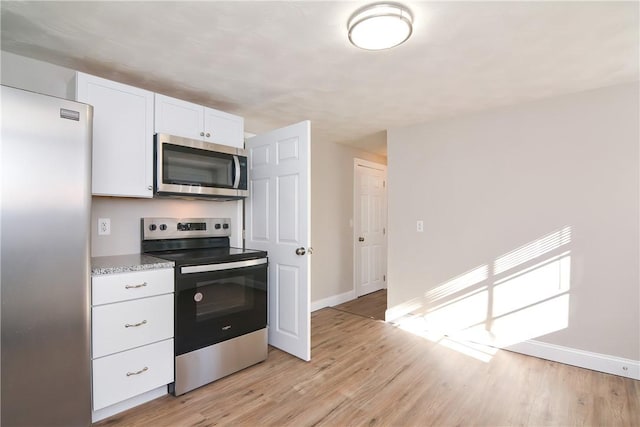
pixel 222 266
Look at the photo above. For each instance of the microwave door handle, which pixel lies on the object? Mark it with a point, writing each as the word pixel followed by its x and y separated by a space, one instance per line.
pixel 236 180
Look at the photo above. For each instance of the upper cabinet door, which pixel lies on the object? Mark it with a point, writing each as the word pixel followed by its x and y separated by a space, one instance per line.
pixel 223 128
pixel 122 136
pixel 180 118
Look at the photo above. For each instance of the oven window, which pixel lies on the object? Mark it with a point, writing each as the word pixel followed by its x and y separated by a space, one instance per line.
pixel 192 166
pixel 221 298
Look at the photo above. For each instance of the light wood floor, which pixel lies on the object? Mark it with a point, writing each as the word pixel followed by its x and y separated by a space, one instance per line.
pixel 372 305
pixel 365 372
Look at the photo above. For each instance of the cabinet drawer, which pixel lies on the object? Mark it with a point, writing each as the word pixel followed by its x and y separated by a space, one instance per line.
pixel 123 375
pixel 125 286
pixel 118 327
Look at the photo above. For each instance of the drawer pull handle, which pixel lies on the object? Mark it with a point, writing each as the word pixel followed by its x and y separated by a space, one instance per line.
pixel 138 372
pixel 141 285
pixel 135 325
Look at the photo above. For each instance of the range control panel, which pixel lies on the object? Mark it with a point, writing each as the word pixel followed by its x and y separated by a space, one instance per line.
pixel 177 228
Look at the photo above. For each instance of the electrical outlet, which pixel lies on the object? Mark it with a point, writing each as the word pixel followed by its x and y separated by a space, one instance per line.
pixel 419 226
pixel 104 226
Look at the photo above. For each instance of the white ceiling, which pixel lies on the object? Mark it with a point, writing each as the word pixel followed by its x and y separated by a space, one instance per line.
pixel 276 63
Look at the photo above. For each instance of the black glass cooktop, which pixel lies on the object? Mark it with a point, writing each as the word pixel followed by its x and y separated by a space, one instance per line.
pixel 209 255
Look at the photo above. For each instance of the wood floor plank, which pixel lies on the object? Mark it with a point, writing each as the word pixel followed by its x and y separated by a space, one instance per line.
pixel 365 372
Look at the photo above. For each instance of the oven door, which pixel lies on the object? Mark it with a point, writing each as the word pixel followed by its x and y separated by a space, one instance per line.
pixel 217 302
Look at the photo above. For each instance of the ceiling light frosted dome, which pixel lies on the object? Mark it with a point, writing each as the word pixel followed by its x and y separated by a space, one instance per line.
pixel 380 26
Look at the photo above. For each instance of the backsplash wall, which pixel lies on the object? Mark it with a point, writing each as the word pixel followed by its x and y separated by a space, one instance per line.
pixel 125 214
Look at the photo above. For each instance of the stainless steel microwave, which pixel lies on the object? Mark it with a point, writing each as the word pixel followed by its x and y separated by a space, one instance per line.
pixel 190 168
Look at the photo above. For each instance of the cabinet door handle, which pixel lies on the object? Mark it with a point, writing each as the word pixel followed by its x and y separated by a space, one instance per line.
pixel 201 133
pixel 141 285
pixel 135 325
pixel 138 372
pixel 208 134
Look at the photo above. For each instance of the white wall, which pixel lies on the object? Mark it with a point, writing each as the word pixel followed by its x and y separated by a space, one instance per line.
pixel 36 76
pixel 490 183
pixel 331 211
pixel 125 215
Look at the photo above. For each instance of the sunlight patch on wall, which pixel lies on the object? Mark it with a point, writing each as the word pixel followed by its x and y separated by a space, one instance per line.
pixel 532 250
pixel 458 284
pixel 532 285
pixel 460 313
pixel 530 322
pixel 483 308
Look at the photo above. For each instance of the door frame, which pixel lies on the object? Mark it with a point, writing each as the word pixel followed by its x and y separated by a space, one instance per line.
pixel 357 162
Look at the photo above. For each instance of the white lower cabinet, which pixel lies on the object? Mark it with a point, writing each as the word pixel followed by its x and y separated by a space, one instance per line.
pixel 131 324
pixel 132 334
pixel 130 373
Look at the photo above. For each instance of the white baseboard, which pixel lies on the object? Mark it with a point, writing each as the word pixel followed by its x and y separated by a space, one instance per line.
pixel 583 359
pixel 333 300
pixel 399 311
pixel 103 413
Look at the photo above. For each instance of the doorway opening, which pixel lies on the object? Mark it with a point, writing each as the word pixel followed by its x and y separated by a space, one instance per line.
pixel 372 306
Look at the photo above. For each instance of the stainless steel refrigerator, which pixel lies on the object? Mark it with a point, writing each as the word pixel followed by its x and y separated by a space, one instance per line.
pixel 45 155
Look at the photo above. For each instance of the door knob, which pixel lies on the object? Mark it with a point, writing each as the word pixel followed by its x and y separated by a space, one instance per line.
pixel 360 239
pixel 310 250
pixel 300 251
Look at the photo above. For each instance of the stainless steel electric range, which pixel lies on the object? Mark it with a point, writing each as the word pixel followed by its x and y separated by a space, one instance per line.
pixel 220 298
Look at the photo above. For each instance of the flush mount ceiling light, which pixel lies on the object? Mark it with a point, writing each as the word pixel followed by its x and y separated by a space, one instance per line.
pixel 380 26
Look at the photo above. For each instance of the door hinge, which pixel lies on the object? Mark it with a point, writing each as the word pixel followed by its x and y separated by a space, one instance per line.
pixel 384 277
pixel 244 234
pixel 384 184
pixel 384 230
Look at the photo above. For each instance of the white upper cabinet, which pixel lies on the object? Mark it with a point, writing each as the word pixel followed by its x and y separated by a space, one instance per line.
pixel 181 118
pixel 122 136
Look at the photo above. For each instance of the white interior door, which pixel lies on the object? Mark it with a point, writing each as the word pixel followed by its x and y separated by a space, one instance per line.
pixel 370 213
pixel 278 221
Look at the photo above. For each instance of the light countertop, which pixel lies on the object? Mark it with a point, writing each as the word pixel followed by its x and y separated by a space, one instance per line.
pixel 127 263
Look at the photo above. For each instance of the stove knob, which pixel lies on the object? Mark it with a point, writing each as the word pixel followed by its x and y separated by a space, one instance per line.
pixel 152 227
pixel 217 226
pixel 163 227
pixel 225 226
